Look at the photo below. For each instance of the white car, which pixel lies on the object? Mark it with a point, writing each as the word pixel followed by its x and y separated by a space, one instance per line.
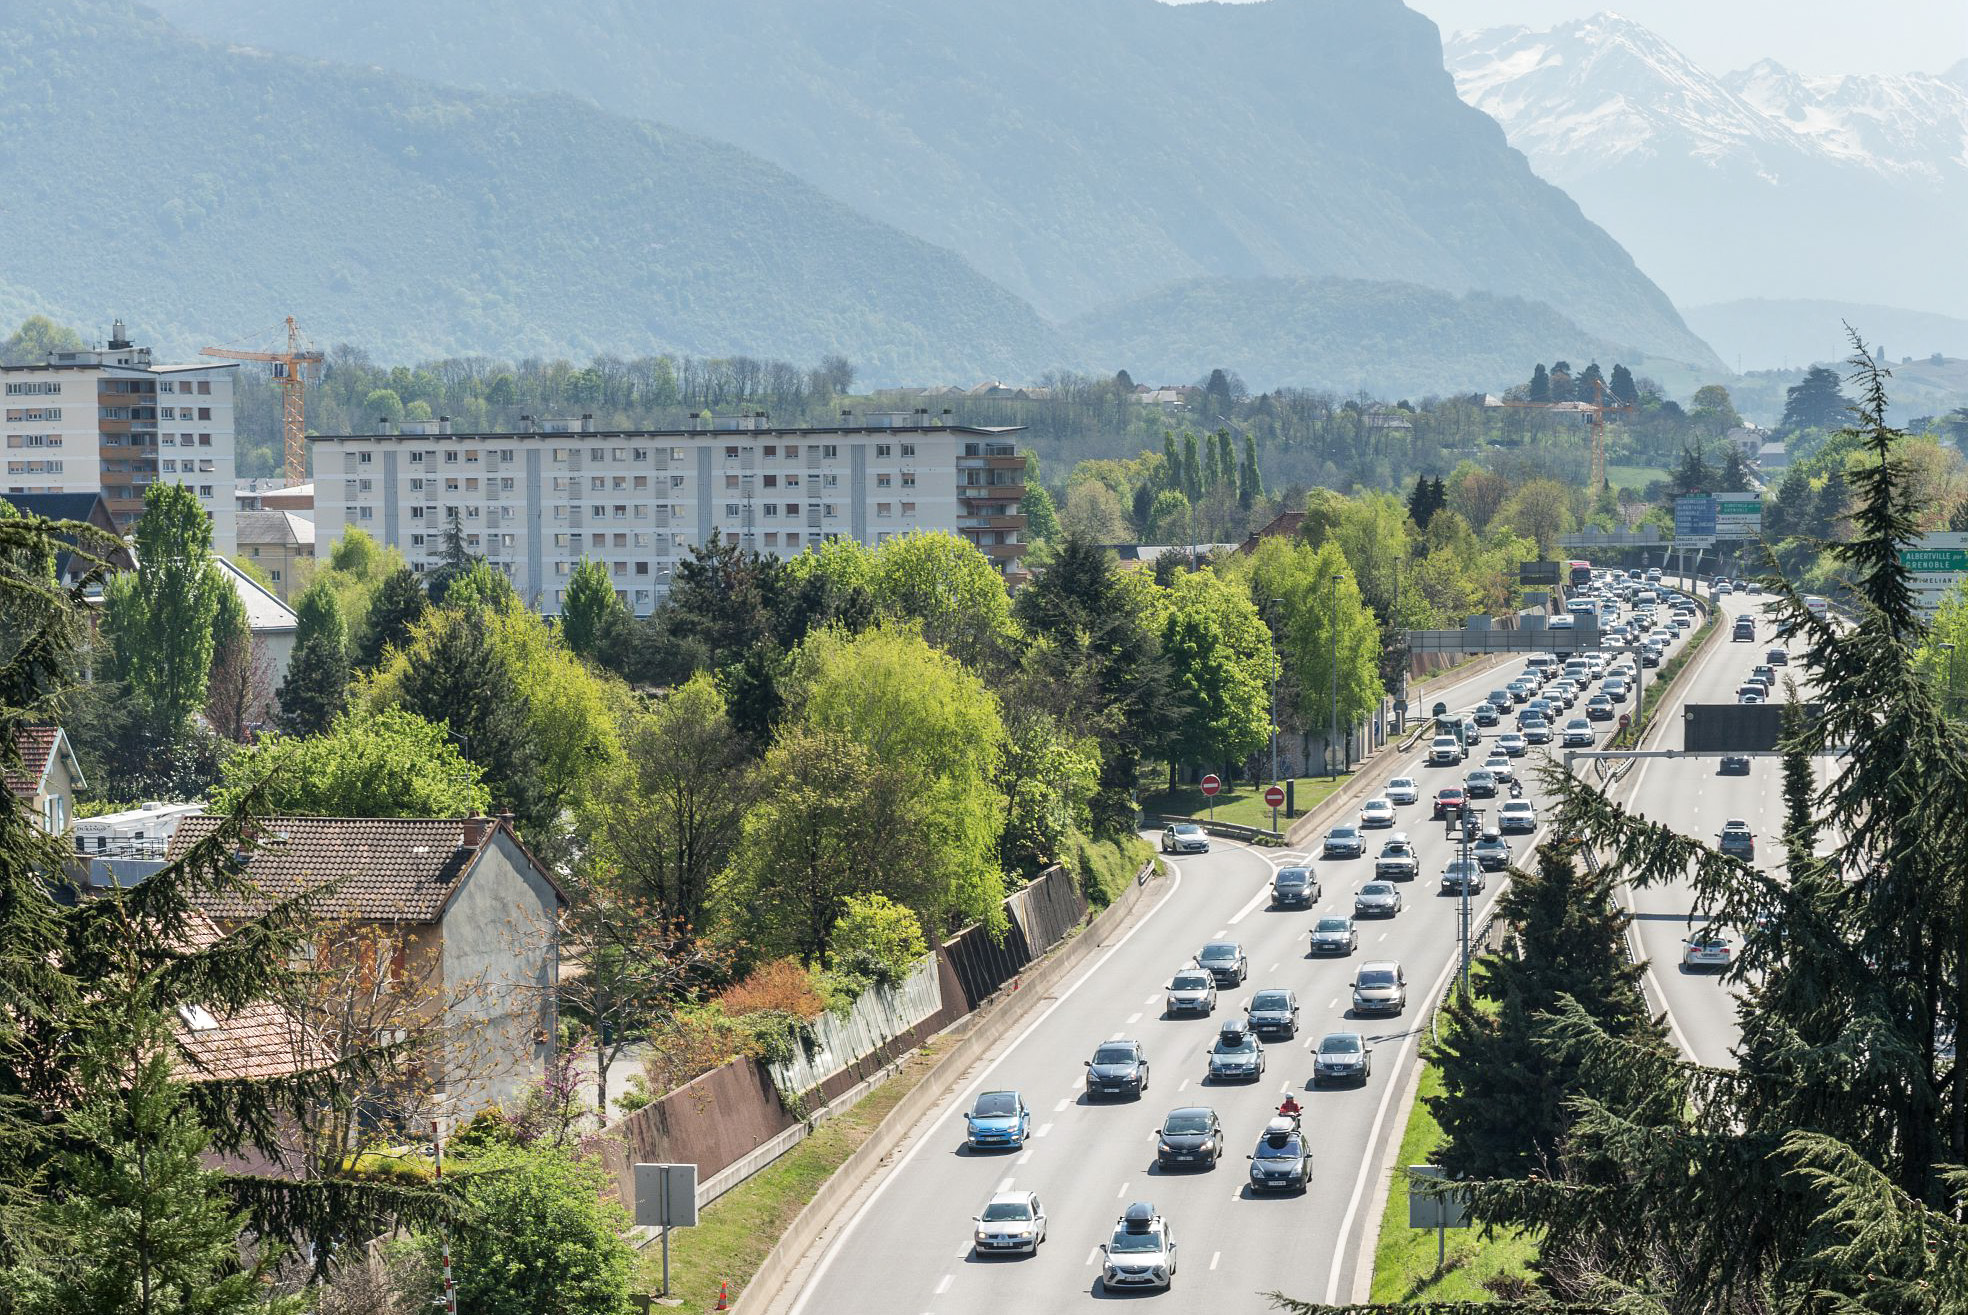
pixel 1444 751
pixel 1517 815
pixel 1403 790
pixel 1712 951
pixel 1011 1222
pixel 1513 744
pixel 1377 812
pixel 1578 734
pixel 1500 766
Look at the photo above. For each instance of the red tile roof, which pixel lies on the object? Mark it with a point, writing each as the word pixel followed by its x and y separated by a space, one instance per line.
pixel 261 1040
pixel 395 869
pixel 36 747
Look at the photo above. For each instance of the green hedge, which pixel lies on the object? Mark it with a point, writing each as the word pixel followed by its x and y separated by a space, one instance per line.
pixel 1106 867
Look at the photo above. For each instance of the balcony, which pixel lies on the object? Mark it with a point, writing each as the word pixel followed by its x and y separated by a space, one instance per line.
pixel 1003 552
pixel 990 492
pixel 1007 522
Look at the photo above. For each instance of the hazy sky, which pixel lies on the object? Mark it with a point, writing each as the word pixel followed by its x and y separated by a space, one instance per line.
pixel 1810 36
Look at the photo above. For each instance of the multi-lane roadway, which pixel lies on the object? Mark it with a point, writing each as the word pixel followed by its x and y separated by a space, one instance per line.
pixel 904 1248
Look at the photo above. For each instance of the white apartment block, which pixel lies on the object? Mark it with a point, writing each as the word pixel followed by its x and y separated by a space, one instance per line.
pixel 107 419
pixel 535 503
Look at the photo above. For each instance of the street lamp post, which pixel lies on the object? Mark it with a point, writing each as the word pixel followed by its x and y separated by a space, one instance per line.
pixel 1332 764
pixel 1275 604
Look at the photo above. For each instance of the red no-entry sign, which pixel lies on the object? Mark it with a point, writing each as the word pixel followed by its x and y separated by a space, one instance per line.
pixel 1211 784
pixel 1274 797
pixel 1625 721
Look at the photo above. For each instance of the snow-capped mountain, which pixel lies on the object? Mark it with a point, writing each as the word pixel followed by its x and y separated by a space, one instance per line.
pixel 1759 183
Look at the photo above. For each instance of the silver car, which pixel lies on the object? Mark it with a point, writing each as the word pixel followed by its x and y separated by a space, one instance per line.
pixel 1342 1057
pixel 1011 1222
pixel 1335 936
pixel 1141 1254
pixel 1191 991
pixel 1344 842
pixel 1380 987
pixel 1377 899
pixel 1403 790
pixel 1397 861
pixel 1185 838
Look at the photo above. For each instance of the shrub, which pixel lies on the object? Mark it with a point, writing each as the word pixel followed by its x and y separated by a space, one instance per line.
pixel 1105 868
pixel 692 1042
pixel 878 939
pixel 782 985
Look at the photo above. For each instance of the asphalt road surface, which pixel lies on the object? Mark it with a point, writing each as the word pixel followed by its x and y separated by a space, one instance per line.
pixel 905 1250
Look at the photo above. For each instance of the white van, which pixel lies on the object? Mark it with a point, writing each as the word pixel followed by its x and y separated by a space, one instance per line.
pixel 1544 665
pixel 1816 605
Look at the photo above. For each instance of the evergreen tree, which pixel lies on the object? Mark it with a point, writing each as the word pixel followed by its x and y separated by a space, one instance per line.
pixel 1815 402
pixel 1505 1108
pixel 399 604
pixel 1562 387
pixel 456 559
pixel 465 685
pixel 160 617
pixel 1590 376
pixel 316 687
pixel 592 610
pixel 318 612
pixel 1250 481
pixel 1428 497
pixel 1540 384
pixel 1170 475
pixel 1192 475
pixel 724 597
pixel 1735 472
pixel 142 1225
pixel 1123 381
pixel 1226 458
pixel 1622 387
pixel 1694 474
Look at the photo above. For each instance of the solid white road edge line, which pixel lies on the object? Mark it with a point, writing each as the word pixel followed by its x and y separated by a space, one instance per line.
pixel 826 1260
pixel 1368 1160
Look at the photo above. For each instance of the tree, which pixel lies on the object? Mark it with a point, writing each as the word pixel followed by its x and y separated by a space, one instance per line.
pixel 1220 661
pixel 1504 1106
pixel 1427 498
pixel 1094 513
pixel 923 719
pixel 1713 411
pixel 316 688
pixel 456 559
pixel 946 585
pixel 546 1238
pixel 387 763
pixel 1250 481
pixel 399 603
pixel 724 597
pixel 667 820
pixel 1623 389
pixel 1192 470
pixel 1694 474
pixel 160 618
pixel 1328 638
pixel 1041 516
pixel 1735 471
pixel 1815 402
pixel 626 967
pixel 143 1226
pixel 456 677
pixel 1563 387
pixel 38 338
pixel 1477 494
pixel 1094 662
pixel 1540 510
pixel 879 938
pixel 239 693
pixel 1047 776
pixel 592 608
pixel 1540 384
pixel 1169 519
pixel 318 614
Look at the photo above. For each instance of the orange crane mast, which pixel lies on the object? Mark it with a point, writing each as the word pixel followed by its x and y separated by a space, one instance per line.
pixel 291 372
pixel 1597 406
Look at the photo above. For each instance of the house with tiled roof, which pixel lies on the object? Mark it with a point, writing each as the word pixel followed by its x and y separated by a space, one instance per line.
pixel 44 776
pixel 456 916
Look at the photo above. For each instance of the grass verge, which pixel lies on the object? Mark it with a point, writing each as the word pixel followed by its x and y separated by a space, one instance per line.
pixel 1404 1258
pixel 1243 805
pixel 1106 867
pixel 736 1232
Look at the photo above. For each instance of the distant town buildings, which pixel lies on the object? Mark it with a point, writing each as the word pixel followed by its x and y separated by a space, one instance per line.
pixel 535 503
pixel 109 420
pixel 46 780
pixel 276 542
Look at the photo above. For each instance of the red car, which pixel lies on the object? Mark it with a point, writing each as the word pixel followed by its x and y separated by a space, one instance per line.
pixel 1448 799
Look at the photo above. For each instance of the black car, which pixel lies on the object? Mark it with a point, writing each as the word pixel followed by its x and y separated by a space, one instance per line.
pixel 1735 764
pixel 1294 888
pixel 1225 961
pixel 1485 715
pixel 1118 1068
pixel 1191 1137
pixel 1273 1013
pixel 1282 1162
pixel 1777 657
pixel 1237 1056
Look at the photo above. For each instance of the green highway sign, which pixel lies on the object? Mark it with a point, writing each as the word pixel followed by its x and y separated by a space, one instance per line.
pixel 1935 559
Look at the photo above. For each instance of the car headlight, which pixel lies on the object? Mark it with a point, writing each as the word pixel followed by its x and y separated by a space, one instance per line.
pixel 1256 1172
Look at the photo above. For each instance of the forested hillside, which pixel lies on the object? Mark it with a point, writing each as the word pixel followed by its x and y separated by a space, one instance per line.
pixel 202 192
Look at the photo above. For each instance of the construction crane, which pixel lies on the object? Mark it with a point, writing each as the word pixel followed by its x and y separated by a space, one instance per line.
pixel 291 371
pixel 1599 411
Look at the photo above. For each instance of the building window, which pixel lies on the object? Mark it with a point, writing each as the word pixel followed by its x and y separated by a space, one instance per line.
pixel 908 479
pixel 908 509
pixel 772 509
pixel 205 491
pixel 451 458
pixel 730 509
pixel 416 458
pixel 205 389
pixel 204 440
pixel 731 481
pixel 792 481
pixel 792 509
pixel 908 449
pixel 882 451
pixel 642 568
pixel 730 452
pixel 883 508
pixel 771 539
pixel 363 458
pixel 829 451
pixel 274 576
pixel 792 541
pixel 882 480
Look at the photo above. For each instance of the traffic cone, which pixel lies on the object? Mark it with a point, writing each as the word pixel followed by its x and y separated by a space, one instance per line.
pixel 724 1297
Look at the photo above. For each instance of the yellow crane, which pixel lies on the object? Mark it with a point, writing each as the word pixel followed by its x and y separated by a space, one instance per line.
pixel 291 371
pixel 1599 411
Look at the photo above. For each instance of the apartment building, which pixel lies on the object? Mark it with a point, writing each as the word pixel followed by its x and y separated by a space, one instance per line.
pixel 110 420
pixel 534 503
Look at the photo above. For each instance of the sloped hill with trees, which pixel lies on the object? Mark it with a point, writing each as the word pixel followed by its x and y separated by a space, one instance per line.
pixel 202 191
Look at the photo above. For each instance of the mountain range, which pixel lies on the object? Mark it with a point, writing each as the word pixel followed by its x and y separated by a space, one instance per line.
pixel 1762 183
pixel 1079 156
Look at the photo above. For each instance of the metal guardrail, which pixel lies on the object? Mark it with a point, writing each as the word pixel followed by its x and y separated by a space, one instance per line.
pixel 1250 835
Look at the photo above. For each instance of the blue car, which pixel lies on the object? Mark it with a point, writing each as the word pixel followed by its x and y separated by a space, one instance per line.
pixel 998 1121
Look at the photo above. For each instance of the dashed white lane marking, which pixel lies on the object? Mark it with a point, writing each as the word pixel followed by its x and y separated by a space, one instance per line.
pixel 1151 999
pixel 1272 969
pixel 1221 932
pixel 1133 1019
pixel 1383 936
pixel 1063 1105
pixel 1026 1158
pixel 1042 1130
pixel 1263 895
pixel 1123 1192
pixel 943 1284
pixel 1093 1255
pixel 1117 1036
pixel 1005 1186
pixel 1183 1085
pixel 1334 1004
pixel 1237 1194
pixel 1214 1257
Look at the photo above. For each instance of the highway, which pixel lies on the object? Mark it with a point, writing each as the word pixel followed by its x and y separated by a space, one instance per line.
pixel 905 1248
pixel 1695 798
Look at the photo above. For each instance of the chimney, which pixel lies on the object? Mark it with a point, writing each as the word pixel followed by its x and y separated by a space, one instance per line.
pixel 587 422
pixel 382 424
pixel 476 830
pixel 119 340
pixel 444 424
pixel 506 818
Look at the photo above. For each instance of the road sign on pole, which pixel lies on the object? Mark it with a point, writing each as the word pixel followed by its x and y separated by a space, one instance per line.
pixel 1275 797
pixel 1211 784
pixel 666 1198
